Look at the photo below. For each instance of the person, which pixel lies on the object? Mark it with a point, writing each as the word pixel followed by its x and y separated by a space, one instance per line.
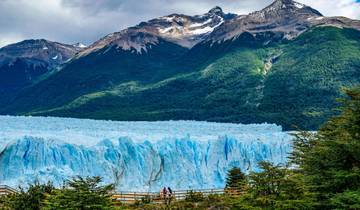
pixel 170 191
pixel 164 193
pixel 161 193
pixel 170 195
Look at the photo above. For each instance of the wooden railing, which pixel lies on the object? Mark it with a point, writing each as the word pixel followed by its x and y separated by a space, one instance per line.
pixel 155 197
pixel 6 190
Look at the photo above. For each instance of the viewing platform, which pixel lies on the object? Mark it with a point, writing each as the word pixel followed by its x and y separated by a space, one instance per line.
pixel 153 197
pixel 156 197
pixel 6 190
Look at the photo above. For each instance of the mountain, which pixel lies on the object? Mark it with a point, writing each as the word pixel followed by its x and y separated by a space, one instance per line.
pixel 284 64
pixel 286 18
pixel 182 30
pixel 135 156
pixel 25 62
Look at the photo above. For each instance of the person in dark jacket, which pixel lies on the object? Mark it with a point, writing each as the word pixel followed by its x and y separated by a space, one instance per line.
pixel 164 193
pixel 169 191
pixel 170 195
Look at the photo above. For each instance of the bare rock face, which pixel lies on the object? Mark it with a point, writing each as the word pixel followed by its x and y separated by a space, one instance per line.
pixel 131 39
pixel 341 22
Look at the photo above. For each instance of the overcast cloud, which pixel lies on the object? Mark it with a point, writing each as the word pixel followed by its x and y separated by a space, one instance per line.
pixel 86 21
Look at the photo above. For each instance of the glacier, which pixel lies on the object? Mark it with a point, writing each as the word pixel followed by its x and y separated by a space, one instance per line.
pixel 135 156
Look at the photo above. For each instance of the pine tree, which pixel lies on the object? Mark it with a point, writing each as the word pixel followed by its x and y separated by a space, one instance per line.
pixel 275 187
pixel 82 194
pixel 235 178
pixel 330 159
pixel 31 199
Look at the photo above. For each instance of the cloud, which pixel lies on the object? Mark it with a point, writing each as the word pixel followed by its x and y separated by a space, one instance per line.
pixel 347 8
pixel 86 21
pixel 93 7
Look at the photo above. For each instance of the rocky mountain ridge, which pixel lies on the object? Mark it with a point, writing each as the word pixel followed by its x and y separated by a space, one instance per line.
pixel 286 18
pixel 52 53
pixel 25 62
pixel 183 30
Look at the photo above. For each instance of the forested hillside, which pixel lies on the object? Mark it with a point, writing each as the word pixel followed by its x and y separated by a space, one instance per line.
pixel 292 83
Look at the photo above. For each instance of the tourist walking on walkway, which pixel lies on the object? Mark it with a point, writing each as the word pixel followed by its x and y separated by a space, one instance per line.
pixel 170 195
pixel 170 191
pixel 164 194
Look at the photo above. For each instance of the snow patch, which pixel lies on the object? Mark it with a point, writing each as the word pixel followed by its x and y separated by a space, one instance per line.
pixel 202 30
pixel 195 25
pixel 206 29
pixel 80 45
pixel 298 5
pixel 166 30
pixel 168 18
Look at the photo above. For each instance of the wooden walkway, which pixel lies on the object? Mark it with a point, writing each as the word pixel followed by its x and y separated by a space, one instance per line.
pixel 155 197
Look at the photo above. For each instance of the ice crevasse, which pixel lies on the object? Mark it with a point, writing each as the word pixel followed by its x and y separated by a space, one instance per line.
pixel 135 156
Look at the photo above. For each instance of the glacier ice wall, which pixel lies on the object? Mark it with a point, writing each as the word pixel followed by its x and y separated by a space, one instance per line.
pixel 136 156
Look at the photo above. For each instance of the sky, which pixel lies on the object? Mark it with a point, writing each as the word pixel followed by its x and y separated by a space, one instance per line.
pixel 85 21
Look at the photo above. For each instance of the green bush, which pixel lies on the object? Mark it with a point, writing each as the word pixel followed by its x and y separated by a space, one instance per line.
pixel 146 199
pixel 32 198
pixel 193 196
pixel 81 193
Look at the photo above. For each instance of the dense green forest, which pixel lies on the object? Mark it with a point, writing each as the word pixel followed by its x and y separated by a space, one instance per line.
pixel 246 80
pixel 323 173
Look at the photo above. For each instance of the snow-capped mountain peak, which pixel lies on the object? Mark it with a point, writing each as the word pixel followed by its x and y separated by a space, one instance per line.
pixel 79 45
pixel 281 8
pixel 286 18
pixel 180 29
pixel 188 30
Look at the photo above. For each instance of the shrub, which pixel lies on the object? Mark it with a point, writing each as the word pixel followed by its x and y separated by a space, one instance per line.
pixel 146 199
pixel 193 196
